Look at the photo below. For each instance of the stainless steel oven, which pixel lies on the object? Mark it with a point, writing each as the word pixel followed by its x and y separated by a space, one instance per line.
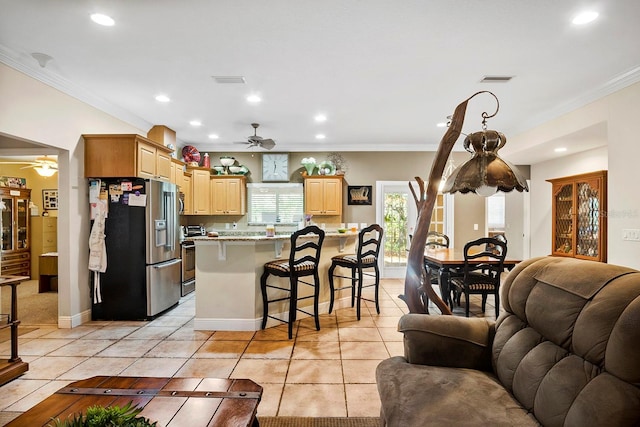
pixel 188 268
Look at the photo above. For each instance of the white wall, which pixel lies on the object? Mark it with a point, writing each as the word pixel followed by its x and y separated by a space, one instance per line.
pixel 588 161
pixel 620 112
pixel 34 111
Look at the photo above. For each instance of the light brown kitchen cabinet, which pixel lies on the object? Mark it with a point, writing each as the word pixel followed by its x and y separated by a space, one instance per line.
pixel 129 155
pixel 16 233
pixel 44 239
pixel 579 223
pixel 228 195
pixel 177 170
pixel 200 190
pixel 323 195
pixel 187 190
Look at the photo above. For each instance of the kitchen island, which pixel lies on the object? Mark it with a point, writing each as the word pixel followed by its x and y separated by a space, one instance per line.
pixel 228 270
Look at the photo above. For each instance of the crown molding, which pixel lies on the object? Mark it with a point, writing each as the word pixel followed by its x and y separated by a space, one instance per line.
pixel 18 62
pixel 613 85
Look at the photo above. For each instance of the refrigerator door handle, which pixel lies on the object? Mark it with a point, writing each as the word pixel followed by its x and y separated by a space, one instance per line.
pixel 167 264
pixel 170 213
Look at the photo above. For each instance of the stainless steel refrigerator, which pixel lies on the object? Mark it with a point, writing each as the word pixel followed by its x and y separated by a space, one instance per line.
pixel 142 278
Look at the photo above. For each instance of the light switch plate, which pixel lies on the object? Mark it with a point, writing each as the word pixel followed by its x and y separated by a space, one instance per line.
pixel 631 235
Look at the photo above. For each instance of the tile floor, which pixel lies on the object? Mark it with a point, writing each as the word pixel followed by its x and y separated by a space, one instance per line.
pixel 328 373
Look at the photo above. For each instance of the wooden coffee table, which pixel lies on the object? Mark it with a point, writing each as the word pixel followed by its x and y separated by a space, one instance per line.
pixel 172 402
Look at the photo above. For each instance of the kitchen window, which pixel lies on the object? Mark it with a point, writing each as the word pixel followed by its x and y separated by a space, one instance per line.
pixel 273 203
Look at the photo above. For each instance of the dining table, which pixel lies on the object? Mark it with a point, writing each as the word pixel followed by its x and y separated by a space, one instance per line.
pixel 450 261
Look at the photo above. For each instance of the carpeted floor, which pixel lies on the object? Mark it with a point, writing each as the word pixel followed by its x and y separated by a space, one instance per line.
pixel 318 422
pixel 33 308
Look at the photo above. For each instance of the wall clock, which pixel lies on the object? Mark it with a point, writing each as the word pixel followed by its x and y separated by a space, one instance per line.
pixel 275 167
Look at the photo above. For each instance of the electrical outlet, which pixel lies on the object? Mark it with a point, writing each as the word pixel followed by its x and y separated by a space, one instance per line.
pixel 631 235
pixel 475 227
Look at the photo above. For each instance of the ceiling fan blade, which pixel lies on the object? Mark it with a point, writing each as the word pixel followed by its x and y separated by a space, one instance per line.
pixel 268 143
pixel 241 142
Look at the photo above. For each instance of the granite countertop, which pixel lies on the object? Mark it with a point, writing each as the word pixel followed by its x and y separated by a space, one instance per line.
pixel 253 237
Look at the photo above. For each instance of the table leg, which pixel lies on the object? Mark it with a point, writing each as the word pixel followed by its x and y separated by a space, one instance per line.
pixel 444 275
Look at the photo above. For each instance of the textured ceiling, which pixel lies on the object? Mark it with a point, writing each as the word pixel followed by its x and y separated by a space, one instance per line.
pixel 383 72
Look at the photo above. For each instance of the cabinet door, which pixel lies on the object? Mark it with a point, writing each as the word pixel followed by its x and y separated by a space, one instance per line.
pixel 563 208
pixel 589 221
pixel 332 197
pixel 218 197
pixel 163 166
pixel 236 196
pixel 313 197
pixel 201 191
pixel 186 189
pixel 7 224
pixel 146 160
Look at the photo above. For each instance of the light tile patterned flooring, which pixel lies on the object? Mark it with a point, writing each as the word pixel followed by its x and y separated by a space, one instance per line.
pixel 329 373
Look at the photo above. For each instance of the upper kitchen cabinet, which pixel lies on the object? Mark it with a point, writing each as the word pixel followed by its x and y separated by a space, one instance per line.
pixel 113 156
pixel 200 190
pixel 323 195
pixel 579 223
pixel 186 188
pixel 228 195
pixel 15 232
pixel 177 171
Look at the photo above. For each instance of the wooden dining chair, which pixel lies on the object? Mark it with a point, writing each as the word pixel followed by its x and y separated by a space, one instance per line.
pixel 360 264
pixel 481 278
pixel 303 261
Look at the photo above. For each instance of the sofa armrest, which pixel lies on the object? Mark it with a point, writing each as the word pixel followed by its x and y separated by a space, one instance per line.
pixel 451 341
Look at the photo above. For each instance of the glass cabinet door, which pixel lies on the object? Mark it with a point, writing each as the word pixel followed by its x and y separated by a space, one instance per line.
pixel 563 220
pixel 7 224
pixel 588 219
pixel 22 212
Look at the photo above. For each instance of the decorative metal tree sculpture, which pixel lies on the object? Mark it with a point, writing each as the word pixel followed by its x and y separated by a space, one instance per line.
pixel 485 172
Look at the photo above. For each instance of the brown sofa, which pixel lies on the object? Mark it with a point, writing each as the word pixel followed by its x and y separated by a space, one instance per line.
pixel 565 353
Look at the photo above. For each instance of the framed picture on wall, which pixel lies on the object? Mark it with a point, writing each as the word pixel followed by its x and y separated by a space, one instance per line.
pixel 359 195
pixel 50 199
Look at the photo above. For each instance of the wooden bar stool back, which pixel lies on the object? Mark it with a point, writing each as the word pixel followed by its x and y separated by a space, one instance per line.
pixel 360 264
pixel 303 261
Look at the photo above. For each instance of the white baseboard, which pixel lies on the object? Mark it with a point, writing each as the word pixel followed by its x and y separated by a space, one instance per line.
pixel 68 322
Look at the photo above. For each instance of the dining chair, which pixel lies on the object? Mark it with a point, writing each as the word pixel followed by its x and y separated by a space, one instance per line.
pixel 435 239
pixel 481 277
pixel 303 261
pixel 360 265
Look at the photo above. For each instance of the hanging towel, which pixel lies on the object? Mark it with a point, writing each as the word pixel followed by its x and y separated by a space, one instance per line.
pixel 98 249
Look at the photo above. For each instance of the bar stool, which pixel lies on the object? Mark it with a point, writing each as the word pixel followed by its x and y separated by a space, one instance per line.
pixel 303 261
pixel 365 258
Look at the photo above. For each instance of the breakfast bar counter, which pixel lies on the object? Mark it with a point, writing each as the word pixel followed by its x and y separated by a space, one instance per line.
pixel 228 270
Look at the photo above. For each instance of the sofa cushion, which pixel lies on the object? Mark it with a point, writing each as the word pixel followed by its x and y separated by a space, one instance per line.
pixel 567 334
pixel 419 395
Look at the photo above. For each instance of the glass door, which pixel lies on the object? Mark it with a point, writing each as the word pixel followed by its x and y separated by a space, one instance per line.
pixel 6 206
pixel 22 220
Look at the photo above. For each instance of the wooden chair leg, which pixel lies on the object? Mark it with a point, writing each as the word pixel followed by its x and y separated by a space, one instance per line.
pixel 377 287
pixel 293 303
pixel 359 301
pixel 316 297
pixel 353 286
pixel 265 302
pixel 331 287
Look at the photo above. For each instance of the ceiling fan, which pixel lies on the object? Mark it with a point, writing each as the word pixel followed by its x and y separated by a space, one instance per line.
pixel 45 166
pixel 257 141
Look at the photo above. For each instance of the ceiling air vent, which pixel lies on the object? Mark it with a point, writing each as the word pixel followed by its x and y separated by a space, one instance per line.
pixel 229 79
pixel 496 79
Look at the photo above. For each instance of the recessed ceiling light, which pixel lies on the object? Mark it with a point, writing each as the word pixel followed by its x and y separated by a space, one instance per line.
pixel 213 136
pixel 102 19
pixel 585 17
pixel 254 99
pixel 560 149
pixel 195 123
pixel 320 118
pixel 441 124
pixel 320 136
pixel 163 98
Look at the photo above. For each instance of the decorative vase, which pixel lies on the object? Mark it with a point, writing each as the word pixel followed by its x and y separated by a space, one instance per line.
pixel 310 167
